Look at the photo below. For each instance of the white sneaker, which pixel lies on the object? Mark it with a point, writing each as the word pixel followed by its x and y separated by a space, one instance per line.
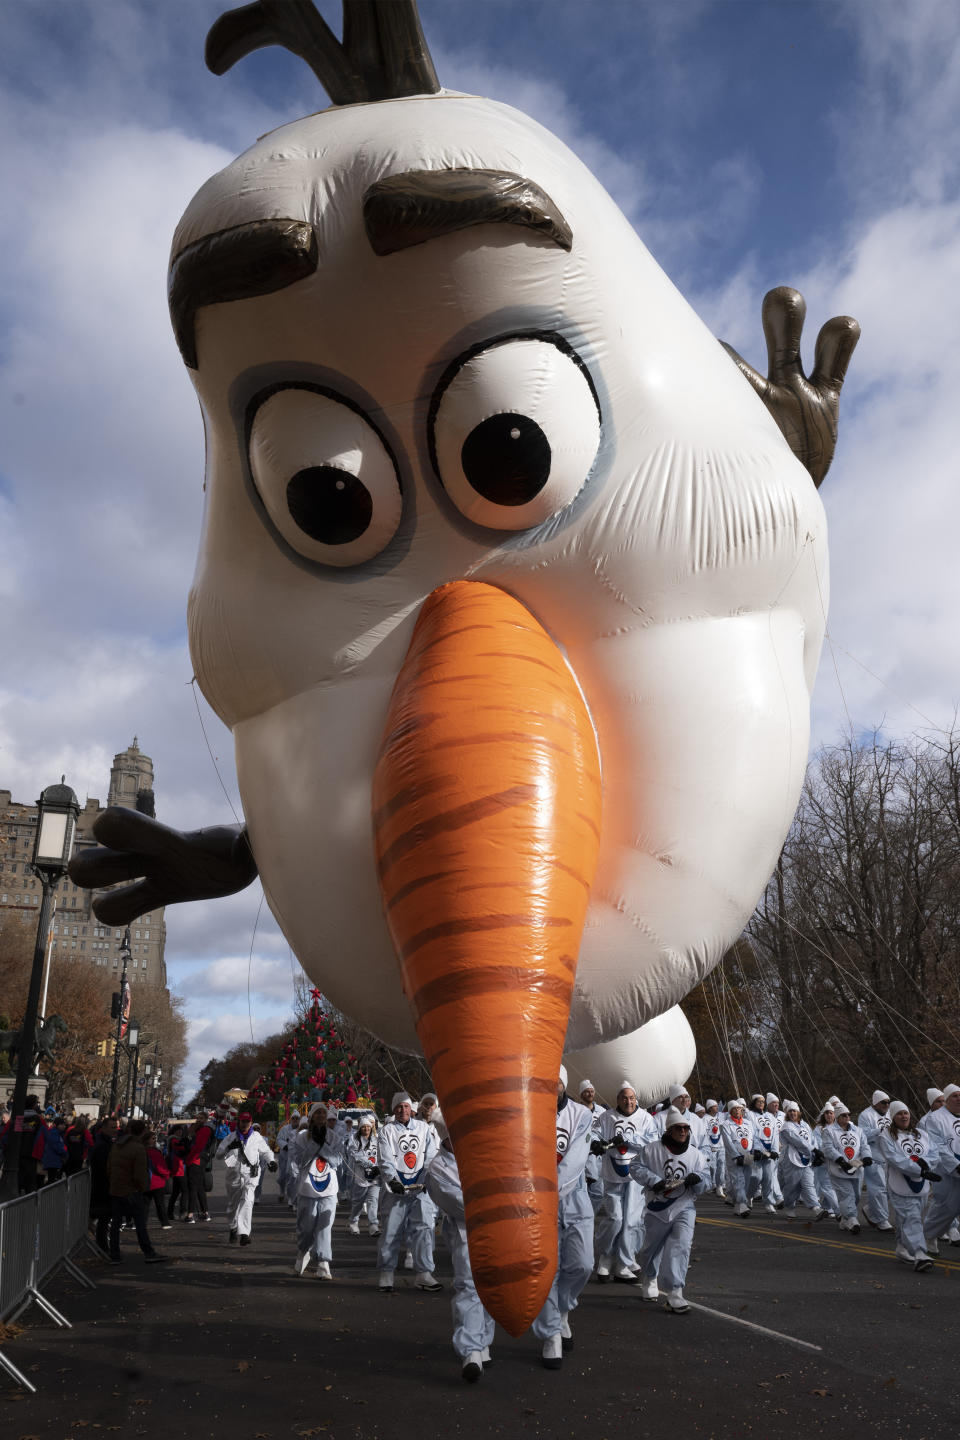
pixel 603 1268
pixel 922 1261
pixel 819 1213
pixel 770 1209
pixel 473 1367
pixel 323 1270
pixel 386 1281
pixel 885 1229
pixel 301 1262
pixel 649 1289
pixel 552 1353
pixel 624 1275
pixel 791 1214
pixel 374 1229
pixel 904 1254
pixel 741 1211
pixel 428 1282
pixel 933 1247
pixel 720 1193
pixel 566 1334
pixel 677 1304
pixel 408 1260
pixel 353 1228
pixel 953 1234
pixel 485 1355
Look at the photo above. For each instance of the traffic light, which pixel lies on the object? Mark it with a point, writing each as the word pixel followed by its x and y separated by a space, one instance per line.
pixel 106 1047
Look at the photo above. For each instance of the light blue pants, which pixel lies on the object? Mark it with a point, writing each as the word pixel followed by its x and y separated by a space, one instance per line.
pixel 364 1199
pixel 737 1176
pixel 875 1193
pixel 619 1227
pixel 472 1326
pixel 666 1248
pixel 826 1190
pixel 847 1191
pixel 714 1158
pixel 944 1207
pixel 908 1222
pixel 315 1225
pixel 574 1262
pixel 798 1186
pixel 406 1221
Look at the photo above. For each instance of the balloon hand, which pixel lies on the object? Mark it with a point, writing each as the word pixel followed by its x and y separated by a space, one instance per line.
pixel 806 410
pixel 166 865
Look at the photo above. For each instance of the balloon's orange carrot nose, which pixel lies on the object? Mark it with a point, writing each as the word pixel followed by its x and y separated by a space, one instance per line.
pixel 487 824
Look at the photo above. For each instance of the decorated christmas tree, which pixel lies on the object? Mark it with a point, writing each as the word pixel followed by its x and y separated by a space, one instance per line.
pixel 314 1064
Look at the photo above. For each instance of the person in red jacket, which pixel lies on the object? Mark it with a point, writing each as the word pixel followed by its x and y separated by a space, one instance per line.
pixel 159 1177
pixel 201 1149
pixel 178 1146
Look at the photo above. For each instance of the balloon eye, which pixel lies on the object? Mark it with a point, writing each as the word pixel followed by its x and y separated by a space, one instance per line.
pixel 325 476
pixel 514 431
pixel 507 459
pixel 329 505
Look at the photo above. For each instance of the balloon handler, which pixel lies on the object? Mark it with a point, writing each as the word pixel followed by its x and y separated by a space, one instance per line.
pixel 473 1326
pixel 316 1155
pixel 405 1148
pixel 671 1170
pixel 243 1152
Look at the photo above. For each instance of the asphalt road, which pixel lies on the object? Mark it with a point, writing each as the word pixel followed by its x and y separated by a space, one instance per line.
pixel 227 1342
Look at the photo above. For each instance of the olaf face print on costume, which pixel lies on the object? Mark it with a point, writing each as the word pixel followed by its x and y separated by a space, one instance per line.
pixel 319 1173
pixel 409 1146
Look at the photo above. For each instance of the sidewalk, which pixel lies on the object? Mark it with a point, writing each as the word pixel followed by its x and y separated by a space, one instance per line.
pixel 227 1341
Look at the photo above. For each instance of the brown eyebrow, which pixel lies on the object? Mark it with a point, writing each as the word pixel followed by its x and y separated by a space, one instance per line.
pixel 236 264
pixel 419 205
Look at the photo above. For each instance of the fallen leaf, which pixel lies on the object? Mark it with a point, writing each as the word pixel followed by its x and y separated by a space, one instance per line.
pixel 784 1375
pixel 888 1384
pixel 822 1393
pixel 243 1365
pixel 328 1387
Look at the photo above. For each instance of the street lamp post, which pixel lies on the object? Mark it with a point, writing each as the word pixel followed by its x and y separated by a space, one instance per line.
pixel 57 814
pixel 118 1037
pixel 133 1056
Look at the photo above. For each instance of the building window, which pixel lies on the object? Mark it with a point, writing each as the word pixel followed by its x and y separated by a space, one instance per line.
pixel 146 934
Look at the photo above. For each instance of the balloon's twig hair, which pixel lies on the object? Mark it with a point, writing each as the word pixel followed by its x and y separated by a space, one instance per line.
pixel 382 55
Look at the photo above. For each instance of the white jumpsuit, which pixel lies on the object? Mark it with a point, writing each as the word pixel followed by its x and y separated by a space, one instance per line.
pixel 472 1326
pixel 797 1142
pixel 244 1157
pixel 317 1191
pixel 943 1130
pixel 619 1228
pixel 360 1163
pixel 403 1153
pixel 842 1148
pixel 713 1149
pixel 873 1125
pixel 738 1146
pixel 670 1213
pixel 285 1137
pixel 906 1187
pixel 592 1172
pixel 575 1218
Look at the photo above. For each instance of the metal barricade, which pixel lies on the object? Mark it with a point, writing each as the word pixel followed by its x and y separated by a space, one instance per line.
pixel 37 1235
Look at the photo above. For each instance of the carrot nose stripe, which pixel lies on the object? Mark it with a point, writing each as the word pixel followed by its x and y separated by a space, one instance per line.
pixel 450 821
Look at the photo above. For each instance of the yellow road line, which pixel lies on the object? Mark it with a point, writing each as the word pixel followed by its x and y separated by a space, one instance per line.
pixel 816 1240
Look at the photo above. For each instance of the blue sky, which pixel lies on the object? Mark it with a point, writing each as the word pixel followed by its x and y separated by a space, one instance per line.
pixel 751 143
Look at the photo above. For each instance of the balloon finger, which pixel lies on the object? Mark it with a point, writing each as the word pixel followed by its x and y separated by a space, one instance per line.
pixel 101 866
pixel 123 829
pixel 119 907
pixel 835 344
pixel 784 311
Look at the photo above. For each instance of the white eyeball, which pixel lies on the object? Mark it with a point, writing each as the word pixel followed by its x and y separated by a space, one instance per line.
pixel 515 432
pixel 327 479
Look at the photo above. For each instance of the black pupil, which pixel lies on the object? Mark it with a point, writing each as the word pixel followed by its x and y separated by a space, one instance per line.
pixel 507 459
pixel 330 505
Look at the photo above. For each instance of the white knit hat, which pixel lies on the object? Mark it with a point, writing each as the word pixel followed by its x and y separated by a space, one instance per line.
pixel 735 1105
pixel 772 1099
pixel 586 1085
pixel 951 1090
pixel 878 1097
pixel 626 1085
pixel 933 1094
pixel 841 1109
pixel 677 1090
pixel 563 1076
pixel 711 1102
pixel 897 1107
pixel 429 1096
pixel 790 1105
pixel 399 1098
pixel 757 1096
pixel 675 1117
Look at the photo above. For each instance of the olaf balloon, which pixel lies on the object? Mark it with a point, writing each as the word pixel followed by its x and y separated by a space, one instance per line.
pixel 511 589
